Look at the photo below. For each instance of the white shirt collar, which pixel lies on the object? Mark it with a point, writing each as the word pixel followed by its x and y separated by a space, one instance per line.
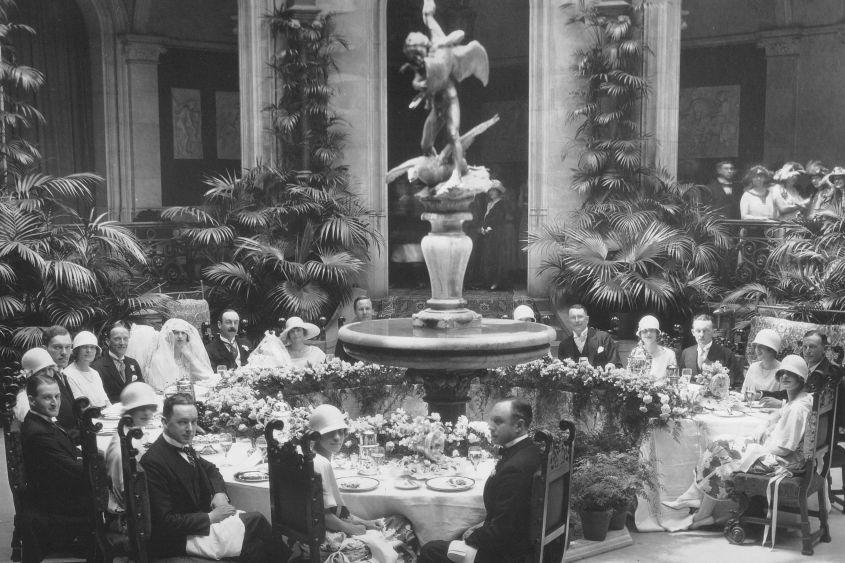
pixel 583 334
pixel 705 348
pixel 515 441
pixel 227 341
pixel 814 367
pixel 45 417
pixel 116 357
pixel 173 442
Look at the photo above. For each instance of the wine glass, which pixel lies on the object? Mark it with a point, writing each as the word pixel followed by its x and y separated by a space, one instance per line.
pixel 225 440
pixel 686 376
pixel 377 453
pixel 261 444
pixel 474 455
pixel 221 369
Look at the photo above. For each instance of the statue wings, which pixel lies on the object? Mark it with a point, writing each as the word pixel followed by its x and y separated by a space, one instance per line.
pixel 470 60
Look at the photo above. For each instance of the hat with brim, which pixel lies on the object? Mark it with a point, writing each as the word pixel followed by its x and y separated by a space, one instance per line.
pixel 768 338
pixel 758 170
pixel 795 365
pixel 648 322
pixel 837 172
pixel 326 419
pixel 37 359
pixel 497 185
pixel 85 338
pixel 137 394
pixel 311 330
pixel 523 312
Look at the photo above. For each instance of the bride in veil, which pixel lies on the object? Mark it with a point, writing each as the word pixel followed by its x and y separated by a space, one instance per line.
pixel 173 353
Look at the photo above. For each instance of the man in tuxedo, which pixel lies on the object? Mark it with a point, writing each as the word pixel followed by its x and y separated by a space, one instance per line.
pixel 363 308
pixel 190 511
pixel 706 350
pixel 722 194
pixel 587 342
pixel 116 369
pixel 503 536
pixel 54 514
pixel 225 349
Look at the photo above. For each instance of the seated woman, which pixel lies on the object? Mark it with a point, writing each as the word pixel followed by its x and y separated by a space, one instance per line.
pixel 139 401
pixel 650 355
pixel 761 374
pixel 270 353
pixel 331 424
pixel 84 381
pixel 779 443
pixel 175 353
pixel 33 362
pixel 294 336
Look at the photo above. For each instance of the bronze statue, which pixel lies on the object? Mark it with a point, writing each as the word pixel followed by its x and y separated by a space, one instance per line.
pixel 439 63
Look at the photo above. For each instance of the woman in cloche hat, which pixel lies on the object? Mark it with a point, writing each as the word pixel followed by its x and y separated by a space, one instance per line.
pixel 83 380
pixel 294 336
pixel 662 358
pixel 761 374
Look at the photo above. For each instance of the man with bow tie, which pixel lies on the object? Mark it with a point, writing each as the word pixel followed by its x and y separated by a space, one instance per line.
pixel 116 369
pixel 226 349
pixel 722 193
pixel 54 514
pixel 190 511
pixel 503 536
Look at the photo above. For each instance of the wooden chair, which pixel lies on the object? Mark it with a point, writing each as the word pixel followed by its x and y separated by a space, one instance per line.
pixel 135 495
pixel 296 491
pixel 549 528
pixel 837 461
pixel 10 384
pixel 795 490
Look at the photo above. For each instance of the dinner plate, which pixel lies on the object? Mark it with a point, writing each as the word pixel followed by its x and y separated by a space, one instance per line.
pixel 252 476
pixel 406 484
pixel 357 484
pixel 729 414
pixel 448 484
pixel 110 417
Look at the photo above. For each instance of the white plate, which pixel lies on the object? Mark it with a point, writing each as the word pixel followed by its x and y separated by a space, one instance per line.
pixel 406 484
pixel 357 484
pixel 252 476
pixel 450 484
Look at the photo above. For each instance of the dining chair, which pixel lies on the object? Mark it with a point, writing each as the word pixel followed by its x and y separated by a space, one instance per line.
pixel 837 461
pixel 296 490
pixel 795 490
pixel 10 384
pixel 549 526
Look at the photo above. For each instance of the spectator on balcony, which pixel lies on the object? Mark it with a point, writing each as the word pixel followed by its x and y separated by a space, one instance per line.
pixel 788 200
pixel 757 203
pixel 723 193
pixel 816 170
pixel 828 199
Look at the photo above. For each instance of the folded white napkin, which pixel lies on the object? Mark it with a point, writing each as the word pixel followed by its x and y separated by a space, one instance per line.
pixel 460 552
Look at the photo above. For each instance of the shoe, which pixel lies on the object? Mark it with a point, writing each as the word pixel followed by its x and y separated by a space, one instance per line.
pixel 690 499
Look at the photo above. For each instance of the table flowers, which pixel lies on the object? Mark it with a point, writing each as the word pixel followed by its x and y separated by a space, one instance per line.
pixel 714 379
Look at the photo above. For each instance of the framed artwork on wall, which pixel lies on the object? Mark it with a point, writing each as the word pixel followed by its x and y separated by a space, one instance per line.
pixel 187 123
pixel 709 122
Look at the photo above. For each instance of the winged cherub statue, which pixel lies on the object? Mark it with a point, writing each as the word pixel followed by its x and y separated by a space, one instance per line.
pixel 439 64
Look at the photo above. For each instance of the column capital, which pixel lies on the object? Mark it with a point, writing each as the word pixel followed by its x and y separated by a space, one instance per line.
pixel 305 10
pixel 781 45
pixel 142 49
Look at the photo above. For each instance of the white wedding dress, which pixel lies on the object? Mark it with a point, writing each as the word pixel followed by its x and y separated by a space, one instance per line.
pixel 270 353
pixel 164 360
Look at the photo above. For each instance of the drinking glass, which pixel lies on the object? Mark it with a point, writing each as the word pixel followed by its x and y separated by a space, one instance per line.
pixel 261 444
pixel 377 453
pixel 221 369
pixel 225 440
pixel 686 376
pixel 474 454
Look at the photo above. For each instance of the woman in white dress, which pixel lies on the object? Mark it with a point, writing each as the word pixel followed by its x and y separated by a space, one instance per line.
pixel 789 203
pixel 84 381
pixel 761 374
pixel 294 336
pixel 176 352
pixel 649 353
pixel 270 353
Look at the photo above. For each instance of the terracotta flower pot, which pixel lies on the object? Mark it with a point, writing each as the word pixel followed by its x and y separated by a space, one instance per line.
pixel 595 523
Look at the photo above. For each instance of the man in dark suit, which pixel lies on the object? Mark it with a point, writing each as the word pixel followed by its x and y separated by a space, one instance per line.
pixel 116 369
pixel 706 350
pixel 55 498
pixel 226 349
pixel 56 340
pixel 188 501
pixel 363 307
pixel 722 193
pixel 503 536
pixel 587 342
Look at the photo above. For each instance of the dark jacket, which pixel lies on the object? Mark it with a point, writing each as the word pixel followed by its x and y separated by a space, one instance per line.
pixel 507 499
pixel 219 354
pixel 688 359
pixel 53 465
pixel 66 418
pixel 595 339
pixel 180 497
pixel 728 205
pixel 113 383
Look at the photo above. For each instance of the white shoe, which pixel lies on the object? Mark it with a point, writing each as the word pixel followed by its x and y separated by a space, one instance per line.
pixel 690 499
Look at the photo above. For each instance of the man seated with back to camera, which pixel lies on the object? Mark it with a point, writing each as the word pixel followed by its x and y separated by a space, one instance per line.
pixel 54 517
pixel 190 511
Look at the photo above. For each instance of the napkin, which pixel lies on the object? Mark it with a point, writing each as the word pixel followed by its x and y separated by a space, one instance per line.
pixel 460 552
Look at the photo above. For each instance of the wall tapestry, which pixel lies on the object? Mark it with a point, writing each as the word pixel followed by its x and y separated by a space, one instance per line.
pixel 187 123
pixel 709 122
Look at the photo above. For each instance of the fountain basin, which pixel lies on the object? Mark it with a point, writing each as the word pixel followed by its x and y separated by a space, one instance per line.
pixel 495 343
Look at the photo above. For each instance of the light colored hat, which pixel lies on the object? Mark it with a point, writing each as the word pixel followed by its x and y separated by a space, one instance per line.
pixel 85 338
pixel 787 171
pixel 497 185
pixel 648 322
pixel 326 418
pixel 793 364
pixel 768 338
pixel 311 330
pixel 837 172
pixel 36 359
pixel 138 394
pixel 523 312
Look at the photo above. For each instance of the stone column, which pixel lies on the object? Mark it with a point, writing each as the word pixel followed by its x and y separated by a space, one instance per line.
pixel 662 69
pixel 256 48
pixel 141 162
pixel 782 79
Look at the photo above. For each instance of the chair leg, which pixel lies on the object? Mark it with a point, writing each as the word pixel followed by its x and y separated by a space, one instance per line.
pixel 806 534
pixel 825 528
pixel 16 541
pixel 734 531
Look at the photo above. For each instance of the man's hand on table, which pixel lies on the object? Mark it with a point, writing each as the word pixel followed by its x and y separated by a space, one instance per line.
pixel 771 402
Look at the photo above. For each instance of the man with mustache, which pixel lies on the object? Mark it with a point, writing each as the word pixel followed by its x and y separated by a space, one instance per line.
pixel 226 349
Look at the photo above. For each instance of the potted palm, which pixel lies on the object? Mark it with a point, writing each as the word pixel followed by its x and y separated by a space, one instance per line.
pixel 596 502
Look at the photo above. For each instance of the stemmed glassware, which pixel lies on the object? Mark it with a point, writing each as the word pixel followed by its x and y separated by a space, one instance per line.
pixel 474 454
pixel 261 444
pixel 377 453
pixel 225 440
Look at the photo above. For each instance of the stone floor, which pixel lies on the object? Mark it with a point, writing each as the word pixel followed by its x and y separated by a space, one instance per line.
pixel 688 547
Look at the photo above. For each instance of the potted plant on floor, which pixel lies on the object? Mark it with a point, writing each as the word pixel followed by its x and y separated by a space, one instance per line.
pixel 596 503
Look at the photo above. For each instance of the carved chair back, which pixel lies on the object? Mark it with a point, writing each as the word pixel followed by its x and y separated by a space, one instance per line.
pixel 10 385
pixel 94 469
pixel 296 491
pixel 135 495
pixel 549 527
pixel 821 429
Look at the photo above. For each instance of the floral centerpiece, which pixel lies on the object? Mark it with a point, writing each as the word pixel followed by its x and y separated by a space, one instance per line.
pixel 715 380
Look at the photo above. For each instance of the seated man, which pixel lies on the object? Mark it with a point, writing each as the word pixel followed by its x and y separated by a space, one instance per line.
pixel 190 511
pixel 226 349
pixel 587 342
pixel 54 514
pixel 706 350
pixel 503 536
pixel 56 340
pixel 116 369
pixel 363 307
